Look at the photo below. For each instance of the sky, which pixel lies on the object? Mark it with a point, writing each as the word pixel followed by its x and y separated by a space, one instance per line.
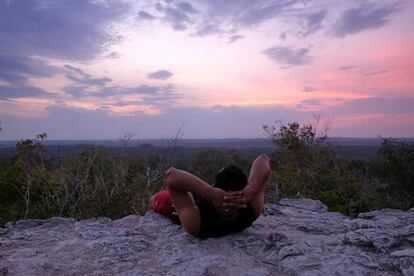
pixel 79 69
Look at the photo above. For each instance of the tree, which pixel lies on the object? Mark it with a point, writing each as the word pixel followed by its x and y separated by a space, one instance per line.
pixel 301 158
pixel 304 165
pixel 27 173
pixel 396 169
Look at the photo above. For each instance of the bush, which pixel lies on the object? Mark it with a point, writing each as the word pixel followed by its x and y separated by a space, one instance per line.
pixel 396 169
pixel 90 184
pixel 302 160
pixel 304 165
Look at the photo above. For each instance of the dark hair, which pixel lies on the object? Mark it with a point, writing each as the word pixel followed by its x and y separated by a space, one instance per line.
pixel 231 178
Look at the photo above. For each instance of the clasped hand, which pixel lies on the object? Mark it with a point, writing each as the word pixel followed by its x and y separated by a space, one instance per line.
pixel 229 202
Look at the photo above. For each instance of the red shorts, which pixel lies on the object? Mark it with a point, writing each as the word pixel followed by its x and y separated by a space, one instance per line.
pixel 162 204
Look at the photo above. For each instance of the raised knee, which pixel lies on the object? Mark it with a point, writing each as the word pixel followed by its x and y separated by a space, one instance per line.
pixel 169 175
pixel 264 155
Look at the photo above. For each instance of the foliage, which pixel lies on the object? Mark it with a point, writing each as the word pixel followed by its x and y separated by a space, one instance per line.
pixel 93 182
pixel 90 184
pixel 304 165
pixel 302 159
pixel 396 168
pixel 98 182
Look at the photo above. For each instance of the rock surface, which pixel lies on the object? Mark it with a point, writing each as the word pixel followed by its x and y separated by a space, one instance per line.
pixel 297 237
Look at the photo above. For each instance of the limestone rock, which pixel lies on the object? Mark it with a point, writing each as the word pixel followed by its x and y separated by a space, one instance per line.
pixel 305 203
pixel 297 237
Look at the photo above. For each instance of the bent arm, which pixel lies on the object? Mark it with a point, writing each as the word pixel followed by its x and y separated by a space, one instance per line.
pixel 259 173
pixel 185 181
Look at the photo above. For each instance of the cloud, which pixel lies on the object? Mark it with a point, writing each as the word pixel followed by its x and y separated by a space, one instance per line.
pixel 311 102
pixel 16 69
pixel 307 88
pixel 258 12
pixel 364 17
pixel 201 122
pixel 165 96
pixel 67 29
pixel 147 89
pixel 114 91
pixel 235 38
pixel 113 55
pixel 177 15
pixel 160 75
pixel 76 91
pixel 126 103
pixel 349 67
pixel 304 18
pixel 206 122
pixel 8 92
pixel 209 29
pixel 375 73
pixel 159 96
pixel 288 56
pixel 377 105
pixel 146 16
pixel 313 22
pixel 186 7
pixel 225 18
pixel 79 76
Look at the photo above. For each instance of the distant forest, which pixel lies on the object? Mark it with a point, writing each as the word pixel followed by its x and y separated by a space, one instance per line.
pixel 348 148
pixel 41 178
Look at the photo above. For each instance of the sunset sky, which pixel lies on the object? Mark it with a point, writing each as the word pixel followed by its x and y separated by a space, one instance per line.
pixel 79 69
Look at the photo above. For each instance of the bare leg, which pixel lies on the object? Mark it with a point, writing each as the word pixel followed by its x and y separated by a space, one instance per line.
pixel 181 184
pixel 186 209
pixel 257 201
pixel 255 190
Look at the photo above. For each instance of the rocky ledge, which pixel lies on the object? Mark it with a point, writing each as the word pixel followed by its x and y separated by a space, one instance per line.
pixel 296 237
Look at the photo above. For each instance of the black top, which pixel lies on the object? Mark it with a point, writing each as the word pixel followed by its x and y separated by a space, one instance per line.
pixel 213 225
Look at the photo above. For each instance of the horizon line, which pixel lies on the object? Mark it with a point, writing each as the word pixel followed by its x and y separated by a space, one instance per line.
pixel 209 138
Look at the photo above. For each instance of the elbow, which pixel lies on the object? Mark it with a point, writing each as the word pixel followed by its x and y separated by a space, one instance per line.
pixel 170 175
pixel 264 156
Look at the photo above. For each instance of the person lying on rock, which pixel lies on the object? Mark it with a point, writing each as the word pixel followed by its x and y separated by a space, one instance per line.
pixel 231 205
